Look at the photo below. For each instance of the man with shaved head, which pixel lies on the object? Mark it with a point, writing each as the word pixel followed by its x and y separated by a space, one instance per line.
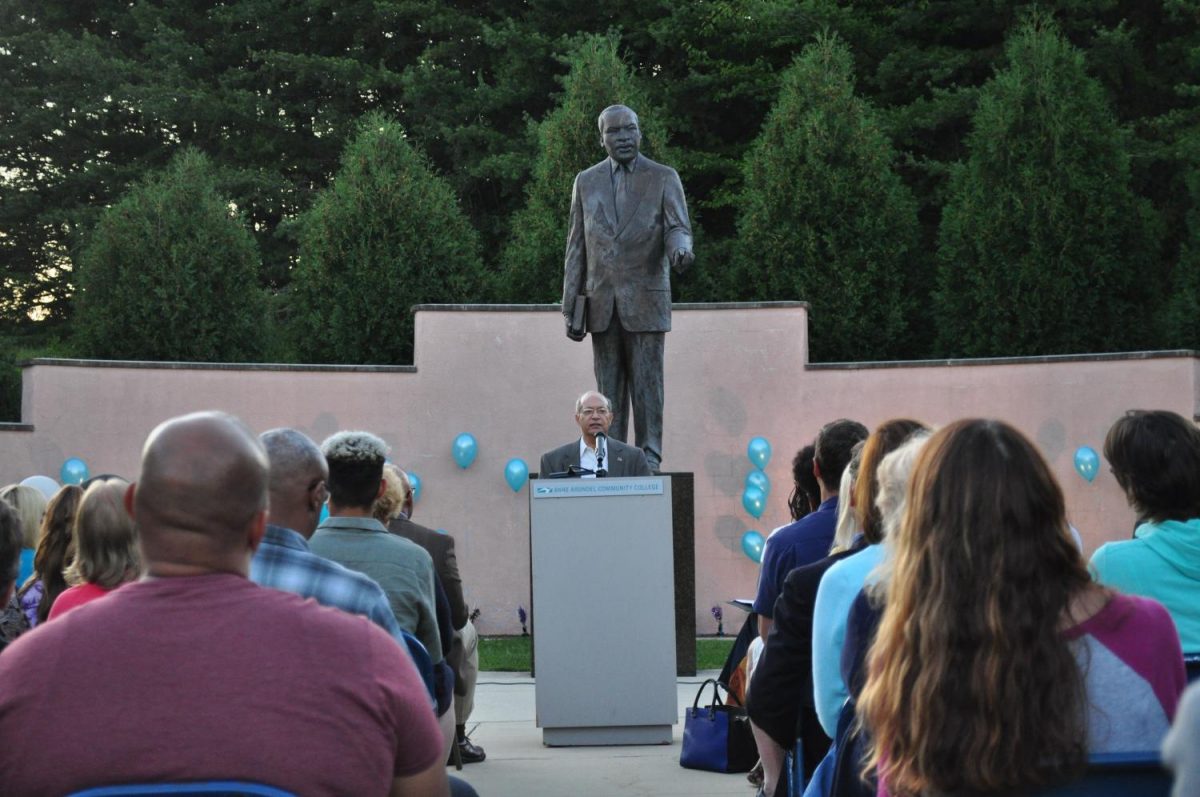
pixel 196 673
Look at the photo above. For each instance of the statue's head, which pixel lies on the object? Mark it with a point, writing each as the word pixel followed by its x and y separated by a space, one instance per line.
pixel 619 133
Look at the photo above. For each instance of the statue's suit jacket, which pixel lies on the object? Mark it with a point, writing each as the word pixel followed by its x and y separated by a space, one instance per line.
pixel 622 460
pixel 625 265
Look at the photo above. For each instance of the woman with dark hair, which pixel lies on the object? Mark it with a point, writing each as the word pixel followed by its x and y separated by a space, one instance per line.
pixel 998 664
pixel 806 493
pixel 106 548
pixel 54 553
pixel 1155 457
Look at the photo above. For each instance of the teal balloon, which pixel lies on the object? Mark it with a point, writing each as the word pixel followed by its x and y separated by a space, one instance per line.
pixel 759 452
pixel 465 449
pixel 414 481
pixel 1087 462
pixel 74 471
pixel 752 545
pixel 516 473
pixel 756 478
pixel 754 500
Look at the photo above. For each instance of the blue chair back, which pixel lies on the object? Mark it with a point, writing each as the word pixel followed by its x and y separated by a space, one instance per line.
pixel 208 788
pixel 424 662
pixel 1118 775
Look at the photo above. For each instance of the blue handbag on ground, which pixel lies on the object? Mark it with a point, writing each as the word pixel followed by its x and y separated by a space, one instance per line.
pixel 717 737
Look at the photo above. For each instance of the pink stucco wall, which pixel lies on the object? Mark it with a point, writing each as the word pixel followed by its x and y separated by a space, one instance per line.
pixel 510 377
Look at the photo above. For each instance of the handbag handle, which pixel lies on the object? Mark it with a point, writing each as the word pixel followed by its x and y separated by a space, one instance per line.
pixel 716 694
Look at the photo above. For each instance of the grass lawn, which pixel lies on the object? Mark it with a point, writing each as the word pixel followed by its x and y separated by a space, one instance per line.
pixel 512 653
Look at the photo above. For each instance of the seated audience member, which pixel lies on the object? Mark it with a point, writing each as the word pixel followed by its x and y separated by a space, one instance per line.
pixel 395 509
pixel 780 699
pixel 840 773
pixel 747 647
pixel 54 553
pixel 203 674
pixel 352 537
pixel 106 548
pixel 1181 748
pixel 1155 457
pixel 11 540
pixel 998 664
pixel 847 533
pixel 297 489
pixel 791 656
pixel 808 539
pixel 842 580
pixel 806 491
pixel 29 504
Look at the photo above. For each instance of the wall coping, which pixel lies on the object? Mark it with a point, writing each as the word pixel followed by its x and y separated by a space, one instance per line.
pixel 557 308
pixel 63 362
pixel 1027 360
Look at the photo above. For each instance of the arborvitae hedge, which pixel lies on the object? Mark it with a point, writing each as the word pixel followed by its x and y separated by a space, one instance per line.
pixel 171 273
pixel 386 235
pixel 1043 247
pixel 825 218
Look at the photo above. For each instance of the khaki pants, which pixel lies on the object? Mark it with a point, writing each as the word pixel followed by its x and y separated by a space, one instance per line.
pixel 467 672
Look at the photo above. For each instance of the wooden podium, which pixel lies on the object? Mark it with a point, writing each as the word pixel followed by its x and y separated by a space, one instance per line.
pixel 603 610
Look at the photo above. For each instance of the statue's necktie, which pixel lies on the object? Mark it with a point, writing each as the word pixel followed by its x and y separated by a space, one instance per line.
pixel 620 192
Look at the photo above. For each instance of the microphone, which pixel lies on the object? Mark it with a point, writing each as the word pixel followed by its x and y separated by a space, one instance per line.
pixel 601 448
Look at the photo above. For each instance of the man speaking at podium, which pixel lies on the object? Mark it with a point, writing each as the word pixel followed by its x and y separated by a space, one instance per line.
pixel 593 454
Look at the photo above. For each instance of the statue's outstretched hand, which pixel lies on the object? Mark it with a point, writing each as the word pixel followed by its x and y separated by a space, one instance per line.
pixel 681 259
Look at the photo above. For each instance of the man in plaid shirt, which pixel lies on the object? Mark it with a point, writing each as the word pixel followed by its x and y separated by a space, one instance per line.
pixel 283 560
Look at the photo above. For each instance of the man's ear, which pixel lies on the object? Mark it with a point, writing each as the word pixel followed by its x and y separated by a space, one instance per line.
pixel 382 488
pixel 314 502
pixel 256 529
pixel 129 498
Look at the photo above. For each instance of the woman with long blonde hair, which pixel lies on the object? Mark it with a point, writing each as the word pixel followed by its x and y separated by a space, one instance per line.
pixel 998 664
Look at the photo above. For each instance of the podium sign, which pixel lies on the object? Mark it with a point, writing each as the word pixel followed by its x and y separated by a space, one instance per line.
pixel 603 610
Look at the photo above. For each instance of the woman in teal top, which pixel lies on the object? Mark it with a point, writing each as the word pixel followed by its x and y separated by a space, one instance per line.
pixel 1155 457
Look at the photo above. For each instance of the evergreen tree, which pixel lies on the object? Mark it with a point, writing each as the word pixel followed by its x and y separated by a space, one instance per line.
pixel 1043 247
pixel 568 142
pixel 825 218
pixel 1181 319
pixel 386 235
pixel 170 273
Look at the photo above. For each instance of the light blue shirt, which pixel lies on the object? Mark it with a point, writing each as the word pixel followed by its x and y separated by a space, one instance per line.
pixel 839 587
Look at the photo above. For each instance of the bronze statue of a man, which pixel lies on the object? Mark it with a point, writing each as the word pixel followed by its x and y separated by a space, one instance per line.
pixel 629 226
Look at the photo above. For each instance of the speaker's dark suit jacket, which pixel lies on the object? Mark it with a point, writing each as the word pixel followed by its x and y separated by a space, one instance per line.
pixel 622 460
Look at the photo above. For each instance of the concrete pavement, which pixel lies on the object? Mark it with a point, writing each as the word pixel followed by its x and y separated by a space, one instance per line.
pixel 518 765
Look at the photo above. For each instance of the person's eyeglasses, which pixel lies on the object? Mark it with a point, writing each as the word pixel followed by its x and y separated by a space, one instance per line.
pixel 588 412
